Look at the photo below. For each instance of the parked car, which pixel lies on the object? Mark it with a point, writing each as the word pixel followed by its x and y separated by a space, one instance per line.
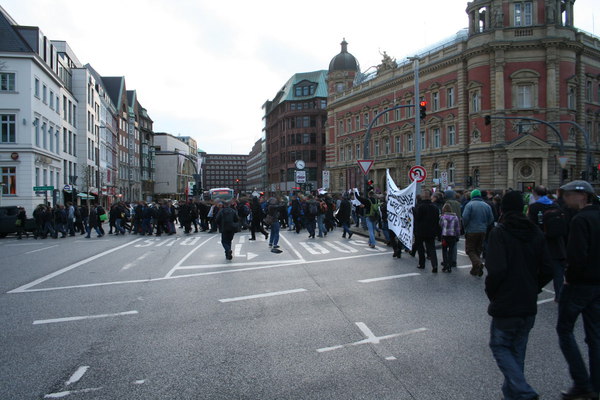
pixel 8 216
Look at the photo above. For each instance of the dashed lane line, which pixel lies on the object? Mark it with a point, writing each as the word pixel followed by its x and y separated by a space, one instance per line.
pixel 82 317
pixel 386 278
pixel 262 295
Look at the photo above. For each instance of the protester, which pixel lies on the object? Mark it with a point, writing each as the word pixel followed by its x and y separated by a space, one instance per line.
pixel 273 211
pixel 519 266
pixel 427 219
pixel 581 291
pixel 371 207
pixel 257 219
pixel 228 222
pixel 450 231
pixel 477 218
pixel 343 215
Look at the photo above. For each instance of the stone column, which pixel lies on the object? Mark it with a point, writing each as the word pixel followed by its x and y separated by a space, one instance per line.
pixel 545 170
pixel 510 178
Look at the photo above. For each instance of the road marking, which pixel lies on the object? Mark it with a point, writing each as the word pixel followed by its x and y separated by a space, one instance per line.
pixel 131 264
pixel 548 291
pixel 291 247
pixel 70 319
pixel 186 257
pixel 385 278
pixel 239 264
pixel 77 375
pixel 314 248
pixel 259 296
pixel 43 248
pixel 242 239
pixel 341 247
pixel 391 358
pixel 460 252
pixel 190 241
pixel 545 301
pixel 69 268
pixel 370 337
pixel 229 271
pixel 464 266
pixel 139 382
pixel 66 393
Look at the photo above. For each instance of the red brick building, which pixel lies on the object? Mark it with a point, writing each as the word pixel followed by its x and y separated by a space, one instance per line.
pixel 516 59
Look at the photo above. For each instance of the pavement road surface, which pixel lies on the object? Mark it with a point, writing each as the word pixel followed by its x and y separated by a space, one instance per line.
pixel 168 317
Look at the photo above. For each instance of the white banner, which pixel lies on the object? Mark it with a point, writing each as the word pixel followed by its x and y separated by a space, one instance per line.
pixel 400 206
pixel 355 200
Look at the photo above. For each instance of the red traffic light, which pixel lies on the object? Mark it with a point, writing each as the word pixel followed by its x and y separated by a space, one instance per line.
pixel 598 166
pixel 369 182
pixel 423 104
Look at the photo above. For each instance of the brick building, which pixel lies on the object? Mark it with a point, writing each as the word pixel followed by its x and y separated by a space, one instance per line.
pixel 294 130
pixel 225 171
pixel 516 59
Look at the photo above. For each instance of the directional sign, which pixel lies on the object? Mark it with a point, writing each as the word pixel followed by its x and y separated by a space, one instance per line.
pixel 417 173
pixel 365 165
pixel 444 180
pixel 42 188
pixel 563 160
pixel 300 176
pixel 68 188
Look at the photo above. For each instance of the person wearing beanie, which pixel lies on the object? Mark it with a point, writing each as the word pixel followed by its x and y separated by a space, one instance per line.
pixel 477 219
pixel 581 291
pixel 518 267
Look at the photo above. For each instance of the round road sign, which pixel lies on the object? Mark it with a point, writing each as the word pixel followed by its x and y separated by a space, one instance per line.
pixel 417 173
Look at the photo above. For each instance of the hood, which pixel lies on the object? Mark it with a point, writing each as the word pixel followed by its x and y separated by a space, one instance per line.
pixel 519 226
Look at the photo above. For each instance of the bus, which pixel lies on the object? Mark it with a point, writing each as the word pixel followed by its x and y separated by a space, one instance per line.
pixel 224 194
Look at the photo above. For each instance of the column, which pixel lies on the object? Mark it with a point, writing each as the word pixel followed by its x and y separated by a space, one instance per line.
pixel 545 170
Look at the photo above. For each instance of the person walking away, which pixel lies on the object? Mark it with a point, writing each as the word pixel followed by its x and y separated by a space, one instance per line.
pixel 519 266
pixel 273 218
pixel 227 220
pixel 311 211
pixel 477 217
pixel 343 215
pixel 581 291
pixel 371 209
pixel 257 218
pixel 450 230
pixel 321 218
pixel 71 219
pixel 20 223
pixel 93 222
pixel 60 220
pixel 38 217
pixel 551 219
pixel 427 228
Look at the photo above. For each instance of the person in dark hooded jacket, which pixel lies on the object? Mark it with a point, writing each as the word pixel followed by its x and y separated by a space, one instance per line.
pixel 519 266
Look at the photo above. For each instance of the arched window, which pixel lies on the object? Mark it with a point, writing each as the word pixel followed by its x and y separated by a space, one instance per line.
pixel 436 171
pixel 450 172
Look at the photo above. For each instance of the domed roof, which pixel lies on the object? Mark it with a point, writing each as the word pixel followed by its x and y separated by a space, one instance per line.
pixel 344 61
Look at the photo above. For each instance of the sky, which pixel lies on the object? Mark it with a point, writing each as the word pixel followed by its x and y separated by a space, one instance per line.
pixel 205 68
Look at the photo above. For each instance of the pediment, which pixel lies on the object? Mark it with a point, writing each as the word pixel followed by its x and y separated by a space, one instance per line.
pixel 528 142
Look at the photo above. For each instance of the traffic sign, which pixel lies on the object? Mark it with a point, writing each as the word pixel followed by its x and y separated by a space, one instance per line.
pixel 42 188
pixel 300 176
pixel 563 160
pixel 326 179
pixel 444 180
pixel 417 173
pixel 365 165
pixel 68 188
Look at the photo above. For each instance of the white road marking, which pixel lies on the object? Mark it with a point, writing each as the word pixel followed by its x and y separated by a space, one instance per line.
pixel 43 248
pixel 237 251
pixel 371 338
pixel 341 247
pixel 77 375
pixel 240 264
pixel 392 358
pixel 242 239
pixel 545 301
pixel 314 248
pixel 229 271
pixel 70 319
pixel 173 242
pixel 385 278
pixel 131 264
pixel 250 256
pixel 296 252
pixel 548 291
pixel 464 266
pixel 139 382
pixel 66 393
pixel 259 296
pixel 460 252
pixel 186 257
pixel 149 242
pixel 190 241
pixel 23 288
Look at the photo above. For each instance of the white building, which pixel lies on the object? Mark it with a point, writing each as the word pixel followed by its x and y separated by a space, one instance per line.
pixel 173 172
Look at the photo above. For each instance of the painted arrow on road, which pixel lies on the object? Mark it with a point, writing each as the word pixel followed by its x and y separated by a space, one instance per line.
pixel 238 252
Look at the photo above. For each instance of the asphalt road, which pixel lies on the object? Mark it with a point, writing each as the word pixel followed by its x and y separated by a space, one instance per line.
pixel 169 318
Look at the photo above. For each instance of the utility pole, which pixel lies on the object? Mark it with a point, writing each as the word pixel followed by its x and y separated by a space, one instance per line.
pixel 415 59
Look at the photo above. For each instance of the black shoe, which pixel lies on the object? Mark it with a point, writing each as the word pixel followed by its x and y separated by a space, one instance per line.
pixel 229 255
pixel 344 236
pixel 266 236
pixel 577 394
pixel 350 235
pixel 276 251
pixel 434 270
pixel 252 239
pixel 276 246
pixel 421 267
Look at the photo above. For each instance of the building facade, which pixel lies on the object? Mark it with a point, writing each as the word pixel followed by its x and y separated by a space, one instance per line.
pixel 516 59
pixel 225 171
pixel 147 162
pixel 295 130
pixel 256 167
pixel 174 168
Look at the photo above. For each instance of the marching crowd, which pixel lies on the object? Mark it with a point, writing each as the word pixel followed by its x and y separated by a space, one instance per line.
pixel 524 241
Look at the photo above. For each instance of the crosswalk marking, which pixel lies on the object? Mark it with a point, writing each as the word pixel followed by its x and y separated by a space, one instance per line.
pixel 314 248
pixel 341 247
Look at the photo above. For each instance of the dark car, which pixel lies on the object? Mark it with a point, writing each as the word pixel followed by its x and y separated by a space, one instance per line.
pixel 8 216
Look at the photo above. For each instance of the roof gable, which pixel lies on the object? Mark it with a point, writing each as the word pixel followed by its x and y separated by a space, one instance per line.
pixel 10 39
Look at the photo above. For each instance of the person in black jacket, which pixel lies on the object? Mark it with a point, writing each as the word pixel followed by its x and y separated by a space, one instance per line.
pixel 581 292
pixel 227 220
pixel 427 228
pixel 519 266
pixel 343 215
pixel 257 219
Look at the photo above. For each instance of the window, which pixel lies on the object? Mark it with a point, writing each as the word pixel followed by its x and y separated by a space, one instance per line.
pixel 44 94
pixel 36 88
pixel 9 128
pixel 450 172
pixel 436 171
pixel 339 87
pixel 451 135
pixel 523 13
pixel 51 100
pixel 386 116
pixel 45 135
pixel 342 154
pixel 409 142
pixel 376 148
pixel 397 114
pixel 349 151
pixel 571 97
pixel 475 101
pixel 37 176
pixel 366 118
pixel 436 138
pixel 588 91
pixel 56 140
pixel 397 144
pixel 7 82
pixel 9 179
pixel 375 112
pixel 450 98
pixel 422 139
pixel 386 146
pixel 524 96
pixel 409 109
pixel 357 122
pixel 358 151
pixel 341 130
pixel 435 101
pixel 51 138
pixel 65 108
pixel 524 88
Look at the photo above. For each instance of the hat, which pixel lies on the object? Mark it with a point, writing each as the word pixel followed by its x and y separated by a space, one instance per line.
pixel 512 201
pixel 475 193
pixel 450 194
pixel 578 186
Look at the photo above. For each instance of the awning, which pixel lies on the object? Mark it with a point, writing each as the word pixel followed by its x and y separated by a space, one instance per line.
pixel 85 196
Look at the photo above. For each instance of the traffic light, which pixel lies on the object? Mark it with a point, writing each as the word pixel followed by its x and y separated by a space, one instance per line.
pixel 469 181
pixel 195 190
pixel 423 109
pixel 488 120
pixel 565 174
pixel 594 174
pixel 370 185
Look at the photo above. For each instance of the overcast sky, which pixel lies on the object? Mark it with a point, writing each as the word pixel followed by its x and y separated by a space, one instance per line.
pixel 204 68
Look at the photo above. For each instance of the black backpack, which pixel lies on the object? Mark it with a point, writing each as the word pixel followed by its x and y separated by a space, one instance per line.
pixel 554 222
pixel 313 210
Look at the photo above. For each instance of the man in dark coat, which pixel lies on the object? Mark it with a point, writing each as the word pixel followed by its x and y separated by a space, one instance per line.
pixel 344 214
pixel 427 228
pixel 227 220
pixel 519 266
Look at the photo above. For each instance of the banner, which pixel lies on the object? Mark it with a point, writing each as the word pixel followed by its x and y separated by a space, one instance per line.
pixel 355 200
pixel 400 205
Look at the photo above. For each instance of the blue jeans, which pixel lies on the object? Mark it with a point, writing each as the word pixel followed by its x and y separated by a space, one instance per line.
pixel 371 228
pixel 584 300
pixel 321 225
pixel 226 239
pixel 508 342
pixel 310 225
pixel 119 226
pixel 274 237
pixel 386 230
pixel 346 228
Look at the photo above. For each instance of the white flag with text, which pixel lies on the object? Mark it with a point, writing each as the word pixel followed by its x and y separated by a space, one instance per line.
pixel 400 204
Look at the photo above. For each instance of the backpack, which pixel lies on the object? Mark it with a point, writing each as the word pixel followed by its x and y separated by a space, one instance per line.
pixel 554 222
pixel 323 207
pixel 312 208
pixel 374 210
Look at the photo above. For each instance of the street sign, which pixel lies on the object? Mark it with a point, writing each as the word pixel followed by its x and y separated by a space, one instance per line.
pixel 563 160
pixel 417 173
pixel 444 180
pixel 365 165
pixel 326 178
pixel 68 188
pixel 42 188
pixel 300 176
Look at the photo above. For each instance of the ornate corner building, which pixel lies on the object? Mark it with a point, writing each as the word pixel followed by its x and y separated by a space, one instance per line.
pixel 516 59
